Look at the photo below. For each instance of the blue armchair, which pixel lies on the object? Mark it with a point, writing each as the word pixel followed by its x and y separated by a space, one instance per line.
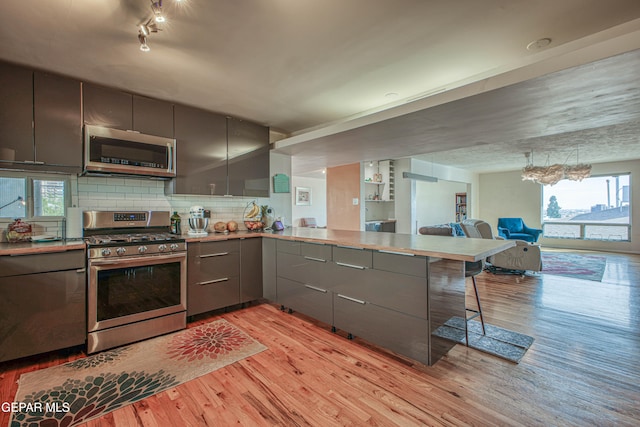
pixel 516 229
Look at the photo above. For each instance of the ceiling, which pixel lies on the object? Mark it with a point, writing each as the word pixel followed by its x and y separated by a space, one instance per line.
pixel 354 80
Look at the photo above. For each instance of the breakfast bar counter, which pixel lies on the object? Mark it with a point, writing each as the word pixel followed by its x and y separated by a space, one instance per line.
pixel 394 290
pixel 461 249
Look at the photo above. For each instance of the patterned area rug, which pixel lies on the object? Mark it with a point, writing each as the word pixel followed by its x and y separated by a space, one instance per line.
pixel 87 388
pixel 497 341
pixel 579 266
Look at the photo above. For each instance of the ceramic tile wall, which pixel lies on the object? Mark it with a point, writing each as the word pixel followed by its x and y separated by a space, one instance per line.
pixel 112 193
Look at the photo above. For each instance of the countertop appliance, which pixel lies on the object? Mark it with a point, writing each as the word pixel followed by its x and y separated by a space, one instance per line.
pixel 108 151
pixel 198 222
pixel 137 277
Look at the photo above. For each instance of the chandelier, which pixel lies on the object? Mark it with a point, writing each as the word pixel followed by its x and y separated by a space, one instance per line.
pixel 550 175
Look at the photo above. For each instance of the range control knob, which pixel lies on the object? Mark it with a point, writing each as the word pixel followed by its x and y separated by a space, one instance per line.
pixel 174 246
pixel 162 248
pixel 121 251
pixel 142 249
pixel 106 252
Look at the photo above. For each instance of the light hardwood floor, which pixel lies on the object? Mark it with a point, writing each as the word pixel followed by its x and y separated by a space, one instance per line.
pixel 583 368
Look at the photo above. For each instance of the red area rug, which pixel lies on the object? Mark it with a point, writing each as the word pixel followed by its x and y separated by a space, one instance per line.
pixel 87 388
pixel 571 264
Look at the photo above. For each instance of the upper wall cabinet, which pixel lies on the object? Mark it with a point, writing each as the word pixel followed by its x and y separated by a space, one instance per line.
pixel 201 152
pixel 39 120
pixel 57 124
pixel 115 109
pixel 248 153
pixel 219 156
pixel 16 114
pixel 152 116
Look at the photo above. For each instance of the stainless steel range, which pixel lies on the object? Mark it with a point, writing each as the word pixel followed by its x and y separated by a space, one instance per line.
pixel 137 277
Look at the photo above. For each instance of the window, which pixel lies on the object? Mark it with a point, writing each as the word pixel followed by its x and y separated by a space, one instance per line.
pixel 32 196
pixel 597 208
pixel 13 194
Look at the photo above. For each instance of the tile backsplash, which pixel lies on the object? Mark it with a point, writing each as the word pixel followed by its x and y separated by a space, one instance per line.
pixel 113 193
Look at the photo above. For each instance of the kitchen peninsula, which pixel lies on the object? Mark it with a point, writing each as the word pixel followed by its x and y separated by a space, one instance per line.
pixel 391 289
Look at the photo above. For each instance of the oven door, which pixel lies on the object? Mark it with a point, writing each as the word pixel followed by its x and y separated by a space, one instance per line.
pixel 128 290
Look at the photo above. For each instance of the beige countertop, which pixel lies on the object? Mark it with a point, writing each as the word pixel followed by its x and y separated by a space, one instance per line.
pixel 459 248
pixel 462 249
pixel 213 237
pixel 40 247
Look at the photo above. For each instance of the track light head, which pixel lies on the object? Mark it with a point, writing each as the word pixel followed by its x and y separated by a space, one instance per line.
pixel 143 42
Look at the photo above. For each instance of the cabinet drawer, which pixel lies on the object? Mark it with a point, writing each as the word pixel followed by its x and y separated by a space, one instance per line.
pixel 211 248
pixel 311 300
pixel 39 263
pixel 398 332
pixel 288 246
pixel 218 265
pixel 352 256
pixel 219 293
pixel 304 269
pixel 316 251
pixel 400 263
pixel 399 292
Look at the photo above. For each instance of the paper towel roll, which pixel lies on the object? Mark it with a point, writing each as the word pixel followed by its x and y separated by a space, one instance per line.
pixel 74 223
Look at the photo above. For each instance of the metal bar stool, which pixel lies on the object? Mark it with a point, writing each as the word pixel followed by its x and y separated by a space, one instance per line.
pixel 472 269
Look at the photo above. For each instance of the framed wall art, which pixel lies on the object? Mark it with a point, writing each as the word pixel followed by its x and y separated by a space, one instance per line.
pixel 303 196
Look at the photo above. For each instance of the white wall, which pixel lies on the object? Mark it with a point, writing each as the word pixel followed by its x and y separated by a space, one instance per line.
pixel 406 202
pixel 318 207
pixel 436 202
pixel 506 195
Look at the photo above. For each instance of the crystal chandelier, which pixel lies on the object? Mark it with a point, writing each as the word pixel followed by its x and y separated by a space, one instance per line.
pixel 550 175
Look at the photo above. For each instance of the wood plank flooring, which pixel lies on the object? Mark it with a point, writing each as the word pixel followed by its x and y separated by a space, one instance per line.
pixel 583 368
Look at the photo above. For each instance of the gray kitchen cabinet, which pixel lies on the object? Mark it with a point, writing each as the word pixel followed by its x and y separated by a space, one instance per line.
pixel 393 299
pixel 108 107
pixel 248 158
pixel 304 274
pixel 201 153
pixel 269 287
pixel 388 328
pixel 40 125
pixel 307 299
pixel 152 116
pixel 213 275
pixel 16 114
pixel 57 122
pixel 250 269
pixel 42 303
pixel 112 108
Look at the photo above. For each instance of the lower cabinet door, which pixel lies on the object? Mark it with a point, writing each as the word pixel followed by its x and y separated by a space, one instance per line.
pixel 212 294
pixel 42 312
pixel 307 299
pixel 404 334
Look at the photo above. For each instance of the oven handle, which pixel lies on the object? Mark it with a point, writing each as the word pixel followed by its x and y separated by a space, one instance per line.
pixel 124 262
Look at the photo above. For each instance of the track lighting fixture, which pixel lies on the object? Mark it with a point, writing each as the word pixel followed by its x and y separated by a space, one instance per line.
pixel 152 24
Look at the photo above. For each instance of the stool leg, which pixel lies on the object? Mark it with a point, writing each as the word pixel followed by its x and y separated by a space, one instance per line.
pixel 475 289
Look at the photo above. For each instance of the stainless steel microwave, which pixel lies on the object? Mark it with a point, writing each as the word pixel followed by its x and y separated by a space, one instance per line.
pixel 127 152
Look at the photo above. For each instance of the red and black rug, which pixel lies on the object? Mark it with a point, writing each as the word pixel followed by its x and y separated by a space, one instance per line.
pixel 87 388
